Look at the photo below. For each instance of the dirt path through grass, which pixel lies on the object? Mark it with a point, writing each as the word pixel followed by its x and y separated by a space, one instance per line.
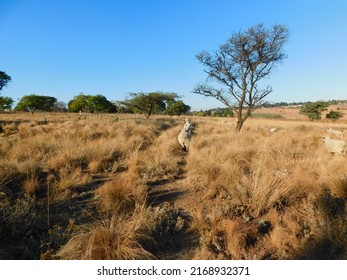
pixel 161 164
pixel 168 193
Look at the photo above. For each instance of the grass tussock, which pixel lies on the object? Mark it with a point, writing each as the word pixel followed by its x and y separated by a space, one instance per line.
pixel 121 194
pixel 117 237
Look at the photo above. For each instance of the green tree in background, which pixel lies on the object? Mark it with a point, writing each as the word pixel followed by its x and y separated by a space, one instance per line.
pixel 313 110
pixel 5 103
pixel 98 104
pixel 177 108
pixel 35 102
pixel 90 103
pixel 149 103
pixel 78 103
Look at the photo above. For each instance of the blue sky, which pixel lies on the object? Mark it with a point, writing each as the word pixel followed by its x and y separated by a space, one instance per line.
pixel 62 48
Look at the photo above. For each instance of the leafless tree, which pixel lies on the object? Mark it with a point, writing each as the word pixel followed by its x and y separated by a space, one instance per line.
pixel 239 64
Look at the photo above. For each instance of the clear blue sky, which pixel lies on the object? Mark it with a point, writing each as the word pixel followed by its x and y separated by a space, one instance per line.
pixel 61 48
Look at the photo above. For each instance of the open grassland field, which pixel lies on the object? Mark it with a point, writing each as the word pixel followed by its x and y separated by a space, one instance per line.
pixel 121 187
pixel 294 113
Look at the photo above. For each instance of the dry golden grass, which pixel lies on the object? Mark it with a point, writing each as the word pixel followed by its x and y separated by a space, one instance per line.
pixel 72 149
pixel 117 237
pixel 161 160
pixel 258 195
pixel 121 194
pixel 132 193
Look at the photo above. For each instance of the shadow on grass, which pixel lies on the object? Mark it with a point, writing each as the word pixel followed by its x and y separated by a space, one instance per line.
pixel 331 242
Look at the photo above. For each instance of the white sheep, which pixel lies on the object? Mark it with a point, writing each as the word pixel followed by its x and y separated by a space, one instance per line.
pixel 336 133
pixel 271 129
pixel 335 146
pixel 185 135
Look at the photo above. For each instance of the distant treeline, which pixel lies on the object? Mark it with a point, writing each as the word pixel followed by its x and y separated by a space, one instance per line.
pixel 215 112
pixel 298 104
pixel 145 103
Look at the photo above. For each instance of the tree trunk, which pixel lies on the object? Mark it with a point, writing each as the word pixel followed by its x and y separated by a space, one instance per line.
pixel 239 119
pixel 242 118
pixel 239 125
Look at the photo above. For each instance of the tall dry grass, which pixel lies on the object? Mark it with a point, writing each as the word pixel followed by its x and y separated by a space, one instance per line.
pixel 107 187
pixel 59 161
pixel 262 196
pixel 116 237
pixel 70 149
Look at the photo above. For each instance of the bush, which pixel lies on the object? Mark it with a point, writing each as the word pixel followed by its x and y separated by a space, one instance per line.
pixel 334 115
pixel 313 110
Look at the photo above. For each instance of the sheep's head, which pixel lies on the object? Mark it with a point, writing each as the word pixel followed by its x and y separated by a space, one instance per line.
pixel 186 127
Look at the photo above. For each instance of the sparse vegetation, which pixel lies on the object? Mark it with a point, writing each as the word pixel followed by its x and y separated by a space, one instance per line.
pixel 120 187
pixel 334 115
pixel 313 110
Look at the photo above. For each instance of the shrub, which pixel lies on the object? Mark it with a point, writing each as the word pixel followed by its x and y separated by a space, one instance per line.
pixel 334 115
pixel 313 110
